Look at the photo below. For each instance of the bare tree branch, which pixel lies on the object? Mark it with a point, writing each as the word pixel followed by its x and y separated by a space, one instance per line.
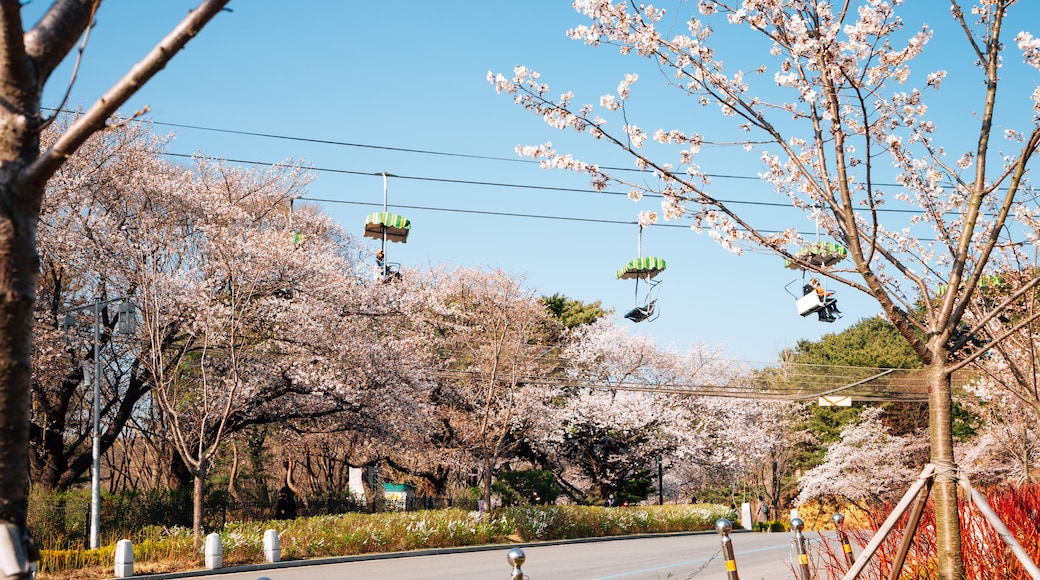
pixel 54 35
pixel 94 118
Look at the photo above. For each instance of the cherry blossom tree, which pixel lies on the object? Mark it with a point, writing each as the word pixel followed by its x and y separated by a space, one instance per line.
pixel 379 342
pixel 483 329
pixel 1009 339
pixel 832 100
pixel 866 466
pixel 28 58
pixel 1008 443
pixel 83 220
pixel 250 320
pixel 607 423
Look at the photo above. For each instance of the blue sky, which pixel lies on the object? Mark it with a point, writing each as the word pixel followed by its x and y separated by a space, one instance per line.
pixel 411 75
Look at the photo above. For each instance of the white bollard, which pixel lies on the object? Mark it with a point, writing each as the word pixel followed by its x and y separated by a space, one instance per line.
pixel 272 549
pixel 124 559
pixel 214 552
pixel 745 516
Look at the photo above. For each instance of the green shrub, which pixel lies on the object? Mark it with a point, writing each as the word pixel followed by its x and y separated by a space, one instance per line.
pixel 356 533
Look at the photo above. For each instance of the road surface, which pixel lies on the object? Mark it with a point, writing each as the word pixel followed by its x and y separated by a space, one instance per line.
pixel 762 556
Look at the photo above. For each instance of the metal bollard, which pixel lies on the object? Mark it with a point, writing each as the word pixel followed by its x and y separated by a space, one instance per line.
pixel 799 547
pixel 124 558
pixel 839 524
pixel 725 527
pixel 214 552
pixel 516 558
pixel 272 547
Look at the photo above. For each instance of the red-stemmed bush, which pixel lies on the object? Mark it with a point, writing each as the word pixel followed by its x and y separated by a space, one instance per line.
pixel 986 557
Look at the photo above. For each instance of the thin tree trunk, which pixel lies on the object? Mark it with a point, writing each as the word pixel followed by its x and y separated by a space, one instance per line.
pixel 487 484
pixel 944 492
pixel 232 485
pixel 198 502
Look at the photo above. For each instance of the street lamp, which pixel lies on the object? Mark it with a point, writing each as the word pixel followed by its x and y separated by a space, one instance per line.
pixel 125 325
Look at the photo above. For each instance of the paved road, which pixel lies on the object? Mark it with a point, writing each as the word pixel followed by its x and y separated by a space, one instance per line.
pixel 695 556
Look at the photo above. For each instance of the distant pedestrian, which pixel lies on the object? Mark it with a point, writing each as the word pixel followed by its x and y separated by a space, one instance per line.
pixel 761 515
pixel 285 508
pixel 611 501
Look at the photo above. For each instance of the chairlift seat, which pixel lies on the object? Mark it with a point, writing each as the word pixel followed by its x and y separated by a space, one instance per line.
pixel 810 303
pixel 388 272
pixel 641 313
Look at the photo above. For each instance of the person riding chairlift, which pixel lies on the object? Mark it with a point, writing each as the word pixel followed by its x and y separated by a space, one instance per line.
pixel 384 271
pixel 829 312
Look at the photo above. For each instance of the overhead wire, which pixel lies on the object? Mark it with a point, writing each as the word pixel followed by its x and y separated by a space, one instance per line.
pixel 475 182
pixel 472 156
pixel 517 185
pixel 508 185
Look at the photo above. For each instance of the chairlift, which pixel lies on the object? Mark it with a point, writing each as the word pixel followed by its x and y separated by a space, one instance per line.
pixel 386 226
pixel 814 296
pixel 643 269
pixel 295 235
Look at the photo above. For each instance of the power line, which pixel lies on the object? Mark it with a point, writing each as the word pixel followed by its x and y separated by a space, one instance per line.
pixel 473 156
pixel 417 151
pixel 492 158
pixel 909 389
pixel 516 185
pixel 509 185
pixel 495 213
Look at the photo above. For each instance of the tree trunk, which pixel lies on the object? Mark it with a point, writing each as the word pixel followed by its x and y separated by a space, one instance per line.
pixel 198 502
pixel 947 518
pixel 19 264
pixel 487 485
pixel 232 485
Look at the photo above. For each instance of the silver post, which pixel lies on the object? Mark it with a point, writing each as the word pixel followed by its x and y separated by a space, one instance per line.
pixel 799 547
pixel 125 317
pixel 516 558
pixel 383 247
pixel 843 536
pixel 725 527
pixel 95 450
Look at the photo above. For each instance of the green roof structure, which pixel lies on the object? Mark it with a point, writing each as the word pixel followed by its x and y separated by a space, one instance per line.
pixel 647 267
pixel 394 226
pixel 824 254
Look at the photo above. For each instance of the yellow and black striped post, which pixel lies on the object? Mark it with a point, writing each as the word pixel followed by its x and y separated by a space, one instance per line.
pixel 802 568
pixel 839 524
pixel 725 527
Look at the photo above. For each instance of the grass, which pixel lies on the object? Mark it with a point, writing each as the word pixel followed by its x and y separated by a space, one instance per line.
pixel 161 550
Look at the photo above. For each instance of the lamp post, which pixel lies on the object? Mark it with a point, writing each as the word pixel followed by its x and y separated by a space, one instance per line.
pixel 126 311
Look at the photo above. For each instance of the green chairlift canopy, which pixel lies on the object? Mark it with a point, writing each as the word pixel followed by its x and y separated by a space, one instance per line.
pixel 395 226
pixel 823 254
pixel 647 267
pixel 991 282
